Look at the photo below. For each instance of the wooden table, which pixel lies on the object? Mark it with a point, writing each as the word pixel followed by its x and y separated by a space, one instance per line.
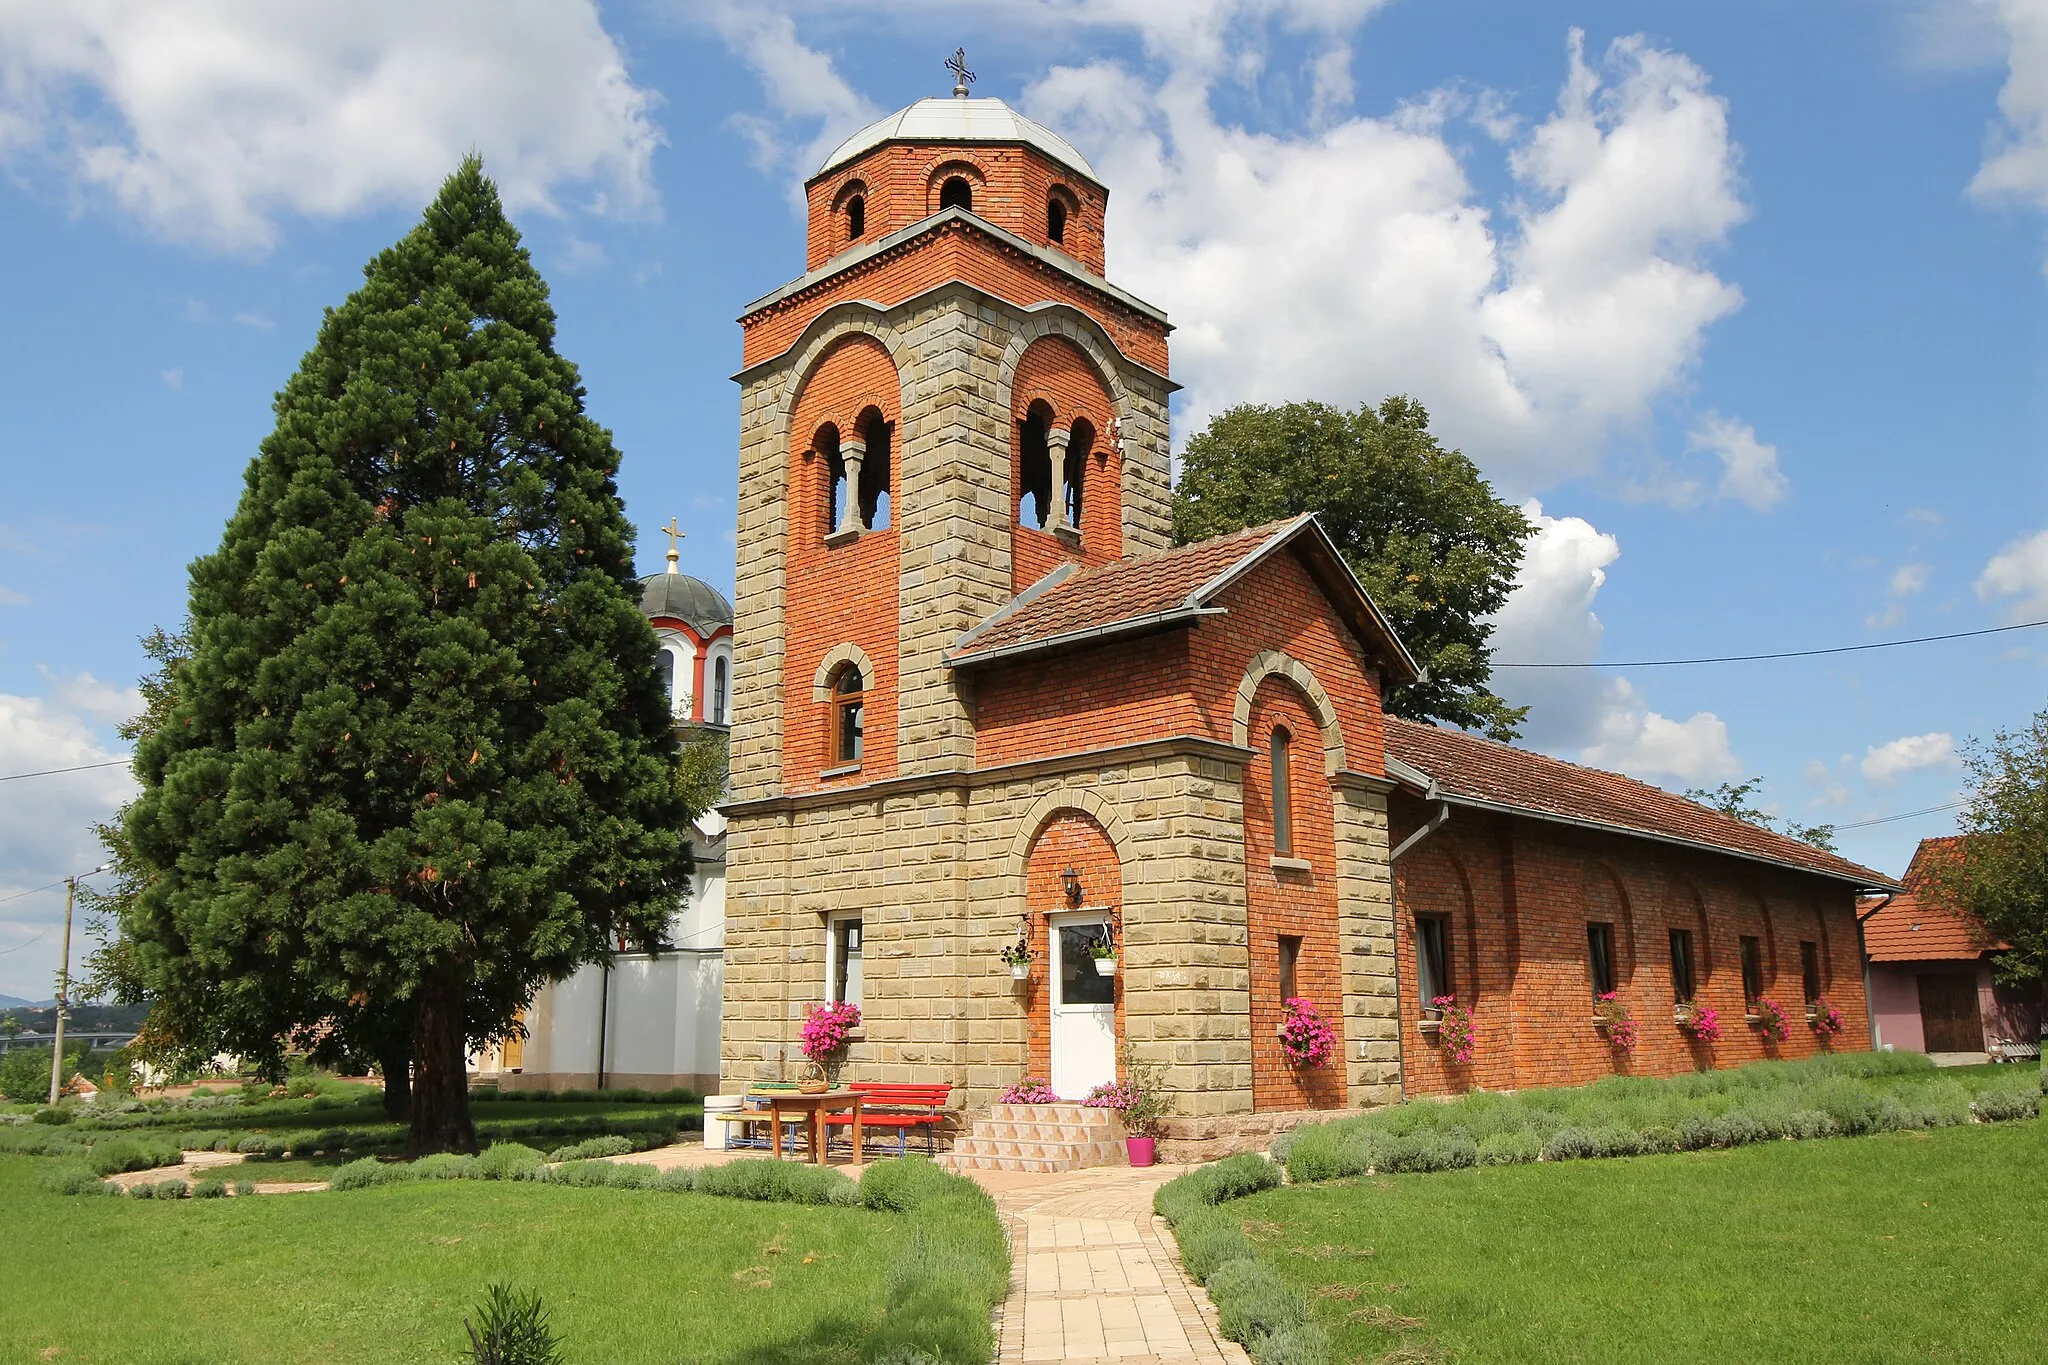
pixel 796 1103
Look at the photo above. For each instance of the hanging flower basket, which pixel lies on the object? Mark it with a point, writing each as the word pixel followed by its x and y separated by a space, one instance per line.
pixel 1454 1029
pixel 1701 1022
pixel 1305 1036
pixel 1824 1019
pixel 1105 966
pixel 1017 957
pixel 1612 1016
pixel 1103 950
pixel 1020 971
pixel 1769 1019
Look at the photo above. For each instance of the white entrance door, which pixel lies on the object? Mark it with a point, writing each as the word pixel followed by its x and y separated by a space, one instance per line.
pixel 1083 1007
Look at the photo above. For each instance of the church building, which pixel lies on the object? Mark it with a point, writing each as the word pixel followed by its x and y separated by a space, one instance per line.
pixel 980 698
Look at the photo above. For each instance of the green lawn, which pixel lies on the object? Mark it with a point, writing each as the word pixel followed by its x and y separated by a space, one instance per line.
pixel 1895 1247
pixel 385 1275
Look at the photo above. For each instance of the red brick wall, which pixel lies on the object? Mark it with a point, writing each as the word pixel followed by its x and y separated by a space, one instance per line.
pixel 1297 903
pixel 1183 682
pixel 957 252
pixel 901 186
pixel 1057 373
pixel 839 594
pixel 1069 839
pixel 1519 894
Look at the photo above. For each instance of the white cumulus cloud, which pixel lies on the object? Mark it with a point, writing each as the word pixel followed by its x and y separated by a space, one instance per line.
pixel 1352 257
pixel 2015 167
pixel 208 119
pixel 1604 721
pixel 1884 764
pixel 1749 467
pixel 2019 571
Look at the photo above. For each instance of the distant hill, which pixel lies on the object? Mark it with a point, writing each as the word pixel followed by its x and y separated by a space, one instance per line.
pixel 15 1002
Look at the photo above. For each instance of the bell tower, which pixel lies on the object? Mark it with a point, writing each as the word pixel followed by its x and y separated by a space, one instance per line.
pixel 948 405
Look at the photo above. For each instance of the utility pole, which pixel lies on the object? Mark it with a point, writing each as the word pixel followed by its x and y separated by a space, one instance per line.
pixel 64 987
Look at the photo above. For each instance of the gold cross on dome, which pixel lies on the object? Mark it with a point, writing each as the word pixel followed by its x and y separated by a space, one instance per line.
pixel 674 534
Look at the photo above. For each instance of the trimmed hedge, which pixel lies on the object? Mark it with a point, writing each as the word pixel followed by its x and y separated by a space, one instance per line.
pixel 133 1154
pixel 1828 1096
pixel 1254 1306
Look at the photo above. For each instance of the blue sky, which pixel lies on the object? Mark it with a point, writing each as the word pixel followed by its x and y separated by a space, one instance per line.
pixel 1747 304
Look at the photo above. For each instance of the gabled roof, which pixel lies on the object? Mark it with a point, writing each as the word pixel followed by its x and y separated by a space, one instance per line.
pixel 1913 926
pixel 1470 771
pixel 1072 606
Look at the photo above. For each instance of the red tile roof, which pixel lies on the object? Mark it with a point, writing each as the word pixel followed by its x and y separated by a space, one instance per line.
pixel 1132 595
pixel 1914 926
pixel 1482 771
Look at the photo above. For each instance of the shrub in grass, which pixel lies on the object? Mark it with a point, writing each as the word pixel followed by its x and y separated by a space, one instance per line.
pixel 2003 1106
pixel 1854 1107
pixel 72 1178
pixel 1210 1239
pixel 1509 1149
pixel 162 1189
pixel 1231 1178
pixel 1946 1103
pixel 508 1161
pixel 1660 1140
pixel 133 1154
pixel 1328 1151
pixel 776 1182
pixel 594 1147
pixel 52 1115
pixel 445 1166
pixel 210 1189
pixel 681 1180
pixel 1568 1144
pixel 1253 1305
pixel 366 1172
pixel 253 1146
pixel 903 1184
pixel 245 1187
pixel 1810 1123
pixel 955 1268
pixel 511 1328
pixel 28 1141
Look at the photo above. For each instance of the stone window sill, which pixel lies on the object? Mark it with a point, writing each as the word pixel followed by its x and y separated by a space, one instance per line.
pixel 1067 536
pixel 1280 864
pixel 841 771
pixel 845 535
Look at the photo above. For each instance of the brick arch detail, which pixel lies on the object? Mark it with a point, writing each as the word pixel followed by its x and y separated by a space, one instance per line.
pixel 1272 663
pixel 821 681
pixel 1043 811
pixel 857 317
pixel 1600 868
pixel 1065 320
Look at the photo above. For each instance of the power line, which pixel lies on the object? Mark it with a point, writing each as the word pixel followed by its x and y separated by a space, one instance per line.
pixel 1785 654
pixel 1903 815
pixel 83 767
pixel 34 891
pixel 26 943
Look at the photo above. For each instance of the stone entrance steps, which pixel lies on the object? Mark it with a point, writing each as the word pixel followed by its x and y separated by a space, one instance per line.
pixel 1038 1137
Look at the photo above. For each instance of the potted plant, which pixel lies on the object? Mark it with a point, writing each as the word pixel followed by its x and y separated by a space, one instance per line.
pixel 1823 1018
pixel 1769 1018
pixel 1104 953
pixel 1612 1016
pixel 1702 1022
pixel 1454 1029
pixel 1305 1036
pixel 1030 1090
pixel 1017 957
pixel 828 1029
pixel 1140 1102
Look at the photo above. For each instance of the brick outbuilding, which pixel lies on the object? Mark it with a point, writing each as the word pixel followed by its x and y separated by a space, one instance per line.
pixel 982 700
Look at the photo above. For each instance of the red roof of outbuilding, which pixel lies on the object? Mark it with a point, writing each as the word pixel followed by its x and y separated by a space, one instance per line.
pixel 1474 771
pixel 1913 926
pixel 1073 606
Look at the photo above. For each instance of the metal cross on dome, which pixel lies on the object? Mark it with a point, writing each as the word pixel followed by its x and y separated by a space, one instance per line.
pixel 962 77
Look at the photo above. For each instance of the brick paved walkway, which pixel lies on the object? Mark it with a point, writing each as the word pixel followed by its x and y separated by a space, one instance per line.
pixel 1097 1279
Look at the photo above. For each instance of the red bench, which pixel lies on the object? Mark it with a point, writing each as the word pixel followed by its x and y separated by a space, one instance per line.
pixel 902 1107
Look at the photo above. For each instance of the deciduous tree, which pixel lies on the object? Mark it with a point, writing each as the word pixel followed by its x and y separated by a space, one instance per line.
pixel 1416 522
pixel 1998 870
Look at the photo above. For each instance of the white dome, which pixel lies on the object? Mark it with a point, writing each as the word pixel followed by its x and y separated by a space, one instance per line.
pixel 954 119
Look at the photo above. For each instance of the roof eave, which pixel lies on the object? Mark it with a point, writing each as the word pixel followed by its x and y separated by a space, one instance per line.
pixel 897 140
pixel 1148 624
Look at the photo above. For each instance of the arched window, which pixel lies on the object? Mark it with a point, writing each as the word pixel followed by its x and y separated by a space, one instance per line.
pixel 825 445
pixel 856 218
pixel 665 665
pixel 848 692
pixel 874 470
pixel 956 193
pixel 1034 468
pixel 1283 794
pixel 719 669
pixel 1055 221
pixel 1079 444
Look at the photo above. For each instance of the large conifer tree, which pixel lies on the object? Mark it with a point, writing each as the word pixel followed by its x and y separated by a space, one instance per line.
pixel 419 761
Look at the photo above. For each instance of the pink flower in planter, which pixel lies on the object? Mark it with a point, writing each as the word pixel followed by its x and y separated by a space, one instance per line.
pixel 826 1029
pixel 1703 1022
pixel 1455 1032
pixel 1770 1020
pixel 1827 1020
pixel 1305 1035
pixel 1619 1022
pixel 1030 1090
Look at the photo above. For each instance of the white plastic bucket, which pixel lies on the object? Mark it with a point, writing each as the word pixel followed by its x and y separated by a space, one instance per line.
pixel 716 1130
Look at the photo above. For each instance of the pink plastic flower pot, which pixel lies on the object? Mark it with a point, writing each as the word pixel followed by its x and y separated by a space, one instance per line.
pixel 1143 1151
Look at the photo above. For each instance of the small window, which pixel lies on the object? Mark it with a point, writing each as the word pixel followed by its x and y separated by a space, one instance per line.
pixel 665 664
pixel 1055 221
pixel 1433 957
pixel 848 694
pixel 719 670
pixel 825 446
pixel 1283 795
pixel 956 193
pixel 1290 954
pixel 1600 957
pixel 1809 969
pixel 1080 443
pixel 856 218
pixel 844 948
pixel 1682 983
pixel 875 471
pixel 1034 469
pixel 1752 971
